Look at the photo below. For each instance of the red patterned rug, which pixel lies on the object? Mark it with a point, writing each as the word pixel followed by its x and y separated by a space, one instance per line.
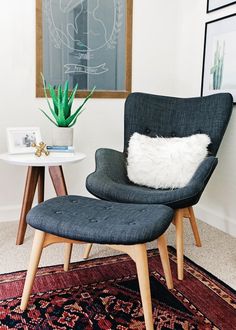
pixel 103 294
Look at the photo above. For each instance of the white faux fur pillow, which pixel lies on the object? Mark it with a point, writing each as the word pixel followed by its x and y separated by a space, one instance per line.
pixel 165 162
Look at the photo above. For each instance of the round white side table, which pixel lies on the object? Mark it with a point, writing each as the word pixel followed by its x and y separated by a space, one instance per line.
pixel 36 177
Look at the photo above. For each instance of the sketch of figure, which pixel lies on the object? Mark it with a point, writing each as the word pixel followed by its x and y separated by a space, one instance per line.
pixel 95 28
pixel 68 5
pixel 86 30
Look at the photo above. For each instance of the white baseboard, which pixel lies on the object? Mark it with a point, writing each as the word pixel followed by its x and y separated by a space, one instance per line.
pixel 219 221
pixel 10 213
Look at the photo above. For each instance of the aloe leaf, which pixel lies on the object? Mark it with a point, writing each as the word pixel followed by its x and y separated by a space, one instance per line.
pixel 73 121
pixel 79 110
pixel 71 99
pixel 61 116
pixel 59 93
pixel 45 91
pixel 46 96
pixel 65 101
pixel 48 117
pixel 54 98
pixel 86 99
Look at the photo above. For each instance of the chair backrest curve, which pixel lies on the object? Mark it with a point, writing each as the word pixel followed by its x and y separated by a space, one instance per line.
pixel 167 116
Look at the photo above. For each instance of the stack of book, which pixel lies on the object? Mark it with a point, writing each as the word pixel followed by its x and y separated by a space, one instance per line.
pixel 61 151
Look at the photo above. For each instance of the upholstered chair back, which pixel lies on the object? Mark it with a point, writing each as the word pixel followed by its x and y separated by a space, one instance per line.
pixel 165 116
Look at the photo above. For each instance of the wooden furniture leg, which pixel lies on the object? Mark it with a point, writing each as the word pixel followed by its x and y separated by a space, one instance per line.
pixel 140 255
pixel 194 227
pixel 59 183
pixel 58 180
pixel 137 252
pixel 87 250
pixel 33 265
pixel 178 221
pixel 41 179
pixel 67 256
pixel 161 243
pixel 29 192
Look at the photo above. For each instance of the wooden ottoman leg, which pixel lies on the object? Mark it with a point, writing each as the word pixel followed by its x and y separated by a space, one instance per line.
pixel 87 250
pixel 33 265
pixel 68 251
pixel 179 243
pixel 140 256
pixel 161 243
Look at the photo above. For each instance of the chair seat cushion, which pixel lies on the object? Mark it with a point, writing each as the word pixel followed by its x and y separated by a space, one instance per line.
pixel 95 221
pixel 111 183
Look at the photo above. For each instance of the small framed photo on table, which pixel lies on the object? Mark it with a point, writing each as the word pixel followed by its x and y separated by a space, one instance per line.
pixel 20 139
pixel 219 57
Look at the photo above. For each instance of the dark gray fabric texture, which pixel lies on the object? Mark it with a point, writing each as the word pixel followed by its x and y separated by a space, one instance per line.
pixel 110 182
pixel 165 116
pixel 91 220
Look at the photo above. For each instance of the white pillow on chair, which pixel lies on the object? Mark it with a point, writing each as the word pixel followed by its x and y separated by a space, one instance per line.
pixel 165 162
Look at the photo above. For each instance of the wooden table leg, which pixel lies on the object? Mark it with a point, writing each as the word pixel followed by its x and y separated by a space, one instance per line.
pixel 29 192
pixel 58 180
pixel 41 179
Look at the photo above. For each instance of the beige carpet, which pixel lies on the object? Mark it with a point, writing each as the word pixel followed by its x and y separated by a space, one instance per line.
pixel 218 254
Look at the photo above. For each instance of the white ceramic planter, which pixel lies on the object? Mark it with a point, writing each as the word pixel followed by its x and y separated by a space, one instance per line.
pixel 62 136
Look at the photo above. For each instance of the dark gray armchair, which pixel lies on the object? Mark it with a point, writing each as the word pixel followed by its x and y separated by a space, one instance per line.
pixel 168 117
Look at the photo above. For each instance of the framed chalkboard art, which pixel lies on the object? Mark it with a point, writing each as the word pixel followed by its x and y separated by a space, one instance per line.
pixel 87 42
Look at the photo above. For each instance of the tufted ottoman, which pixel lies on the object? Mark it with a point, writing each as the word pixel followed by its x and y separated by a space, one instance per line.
pixel 124 227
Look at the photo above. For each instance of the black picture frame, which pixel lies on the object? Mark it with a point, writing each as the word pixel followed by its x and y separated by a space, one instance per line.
pixel 220 7
pixel 219 53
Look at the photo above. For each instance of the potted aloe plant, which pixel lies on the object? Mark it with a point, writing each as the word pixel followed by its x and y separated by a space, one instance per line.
pixel 61 112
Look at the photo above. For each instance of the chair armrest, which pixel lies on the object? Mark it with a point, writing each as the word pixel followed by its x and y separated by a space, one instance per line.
pixel 112 163
pixel 110 172
pixel 204 172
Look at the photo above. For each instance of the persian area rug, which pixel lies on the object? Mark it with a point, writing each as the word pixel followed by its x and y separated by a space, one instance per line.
pixel 104 294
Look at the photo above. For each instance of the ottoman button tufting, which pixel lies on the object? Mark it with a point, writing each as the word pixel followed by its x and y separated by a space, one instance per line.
pixel 154 219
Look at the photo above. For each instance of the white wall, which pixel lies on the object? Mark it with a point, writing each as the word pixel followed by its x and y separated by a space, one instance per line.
pixel 218 204
pixel 155 32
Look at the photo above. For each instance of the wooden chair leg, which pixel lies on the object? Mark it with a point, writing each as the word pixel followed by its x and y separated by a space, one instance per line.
pixel 140 254
pixel 194 227
pixel 67 256
pixel 33 265
pixel 87 250
pixel 179 243
pixel 161 243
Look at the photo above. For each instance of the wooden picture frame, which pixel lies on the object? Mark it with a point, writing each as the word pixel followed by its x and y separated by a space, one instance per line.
pixel 213 5
pixel 125 72
pixel 219 66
